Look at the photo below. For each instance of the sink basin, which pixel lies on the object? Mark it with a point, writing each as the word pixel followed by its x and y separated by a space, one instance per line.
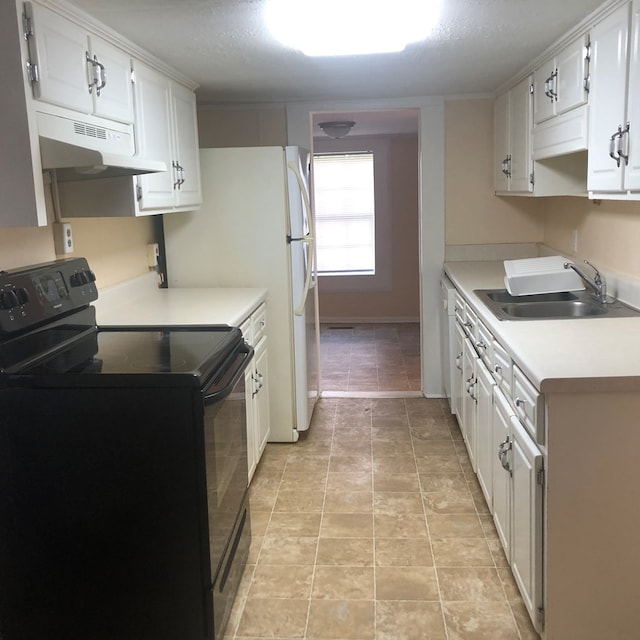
pixel 554 309
pixel 550 306
pixel 502 295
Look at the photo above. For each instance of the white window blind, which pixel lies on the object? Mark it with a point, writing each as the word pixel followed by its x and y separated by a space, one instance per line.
pixel 345 213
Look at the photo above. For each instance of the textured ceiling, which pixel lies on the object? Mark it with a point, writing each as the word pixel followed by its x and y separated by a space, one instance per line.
pixel 225 47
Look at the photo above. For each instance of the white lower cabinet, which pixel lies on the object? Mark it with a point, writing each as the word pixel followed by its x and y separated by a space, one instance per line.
pixel 484 422
pixel 527 482
pixel 501 482
pixel 256 379
pixel 469 364
pixel 501 420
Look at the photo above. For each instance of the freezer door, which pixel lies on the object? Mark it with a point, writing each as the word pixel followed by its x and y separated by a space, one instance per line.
pixel 304 285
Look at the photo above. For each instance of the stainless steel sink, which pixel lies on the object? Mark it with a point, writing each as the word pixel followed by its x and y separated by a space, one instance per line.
pixel 563 305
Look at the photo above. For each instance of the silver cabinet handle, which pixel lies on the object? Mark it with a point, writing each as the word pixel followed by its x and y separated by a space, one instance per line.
pixel 503 450
pixel 98 73
pixel 458 359
pixel 481 345
pixel 497 368
pixel 519 402
pixel 623 144
pixel 613 146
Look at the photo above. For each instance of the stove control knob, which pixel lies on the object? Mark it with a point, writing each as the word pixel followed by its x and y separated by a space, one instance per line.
pixel 8 299
pixel 23 295
pixel 79 279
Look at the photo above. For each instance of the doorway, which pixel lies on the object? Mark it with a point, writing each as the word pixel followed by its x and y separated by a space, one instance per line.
pixel 370 324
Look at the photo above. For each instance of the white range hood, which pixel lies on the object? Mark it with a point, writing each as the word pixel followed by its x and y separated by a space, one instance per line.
pixel 82 147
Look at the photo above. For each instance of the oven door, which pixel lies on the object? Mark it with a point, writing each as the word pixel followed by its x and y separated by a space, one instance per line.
pixel 225 435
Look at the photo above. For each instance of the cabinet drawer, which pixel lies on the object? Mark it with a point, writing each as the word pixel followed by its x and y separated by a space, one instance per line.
pixel 471 323
pixel 259 322
pixel 502 368
pixel 484 344
pixel 528 405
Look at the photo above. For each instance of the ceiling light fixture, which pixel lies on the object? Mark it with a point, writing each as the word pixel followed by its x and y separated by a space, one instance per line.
pixel 337 128
pixel 350 27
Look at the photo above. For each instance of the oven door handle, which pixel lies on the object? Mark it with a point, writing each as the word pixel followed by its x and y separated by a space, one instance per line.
pixel 223 386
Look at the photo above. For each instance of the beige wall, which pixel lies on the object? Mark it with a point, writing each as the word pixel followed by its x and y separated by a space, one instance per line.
pixel 474 215
pixel 115 247
pixel 402 299
pixel 608 232
pixel 242 127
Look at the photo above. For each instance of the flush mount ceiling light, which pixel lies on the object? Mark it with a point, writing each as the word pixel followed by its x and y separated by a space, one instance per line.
pixel 350 27
pixel 337 128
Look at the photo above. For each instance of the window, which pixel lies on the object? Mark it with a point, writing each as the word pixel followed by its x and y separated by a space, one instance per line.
pixel 345 213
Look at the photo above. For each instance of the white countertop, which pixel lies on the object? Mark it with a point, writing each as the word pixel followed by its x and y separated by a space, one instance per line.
pixel 140 302
pixel 558 356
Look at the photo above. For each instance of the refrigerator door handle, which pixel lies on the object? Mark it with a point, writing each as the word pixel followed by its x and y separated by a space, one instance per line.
pixel 308 239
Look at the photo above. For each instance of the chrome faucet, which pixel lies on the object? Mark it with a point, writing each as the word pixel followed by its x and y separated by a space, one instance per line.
pixel 597 282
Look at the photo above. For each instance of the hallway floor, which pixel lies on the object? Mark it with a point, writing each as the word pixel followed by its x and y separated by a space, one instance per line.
pixel 373 527
pixel 370 357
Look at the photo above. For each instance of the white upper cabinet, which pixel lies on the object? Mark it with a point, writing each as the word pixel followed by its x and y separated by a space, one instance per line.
pixel 512 141
pixel 166 129
pixel 561 83
pixel 614 150
pixel 72 68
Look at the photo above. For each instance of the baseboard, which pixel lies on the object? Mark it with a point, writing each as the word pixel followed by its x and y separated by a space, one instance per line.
pixel 404 320
pixel 371 394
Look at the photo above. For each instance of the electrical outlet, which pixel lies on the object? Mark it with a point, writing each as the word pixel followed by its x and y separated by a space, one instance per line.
pixel 63 237
pixel 153 252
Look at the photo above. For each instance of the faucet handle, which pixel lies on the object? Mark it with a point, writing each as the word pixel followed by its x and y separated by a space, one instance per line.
pixel 598 277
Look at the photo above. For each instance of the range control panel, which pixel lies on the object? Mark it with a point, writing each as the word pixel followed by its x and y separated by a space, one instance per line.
pixel 31 295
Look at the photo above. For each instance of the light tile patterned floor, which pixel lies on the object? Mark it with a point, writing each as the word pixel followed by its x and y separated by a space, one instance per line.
pixel 373 527
pixel 370 357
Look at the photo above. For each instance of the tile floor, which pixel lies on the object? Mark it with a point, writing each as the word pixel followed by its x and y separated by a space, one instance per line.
pixel 370 357
pixel 373 526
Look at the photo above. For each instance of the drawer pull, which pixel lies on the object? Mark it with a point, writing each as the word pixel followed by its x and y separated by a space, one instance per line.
pixel 519 402
pixel 497 368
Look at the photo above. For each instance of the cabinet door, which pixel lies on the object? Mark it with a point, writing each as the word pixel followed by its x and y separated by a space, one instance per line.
pixel 186 146
pixel 459 374
pixel 469 363
pixel 520 136
pixel 249 389
pixel 484 440
pixel 526 520
pixel 153 136
pixel 501 477
pixel 543 105
pixel 115 99
pixel 609 47
pixel 632 169
pixel 500 141
pixel 570 79
pixel 61 49
pixel 261 401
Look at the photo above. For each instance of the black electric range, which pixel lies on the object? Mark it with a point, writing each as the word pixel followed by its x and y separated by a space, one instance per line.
pixel 124 510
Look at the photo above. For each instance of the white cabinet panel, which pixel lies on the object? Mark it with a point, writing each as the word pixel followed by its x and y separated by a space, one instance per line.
pixel 153 136
pixel 526 519
pixel 559 84
pixel 484 425
pixel 76 69
pixel 609 56
pixel 115 99
pixel 166 129
pixel 512 140
pixel 501 478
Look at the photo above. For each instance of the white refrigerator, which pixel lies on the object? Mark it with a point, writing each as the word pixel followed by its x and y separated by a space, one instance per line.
pixel 255 229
